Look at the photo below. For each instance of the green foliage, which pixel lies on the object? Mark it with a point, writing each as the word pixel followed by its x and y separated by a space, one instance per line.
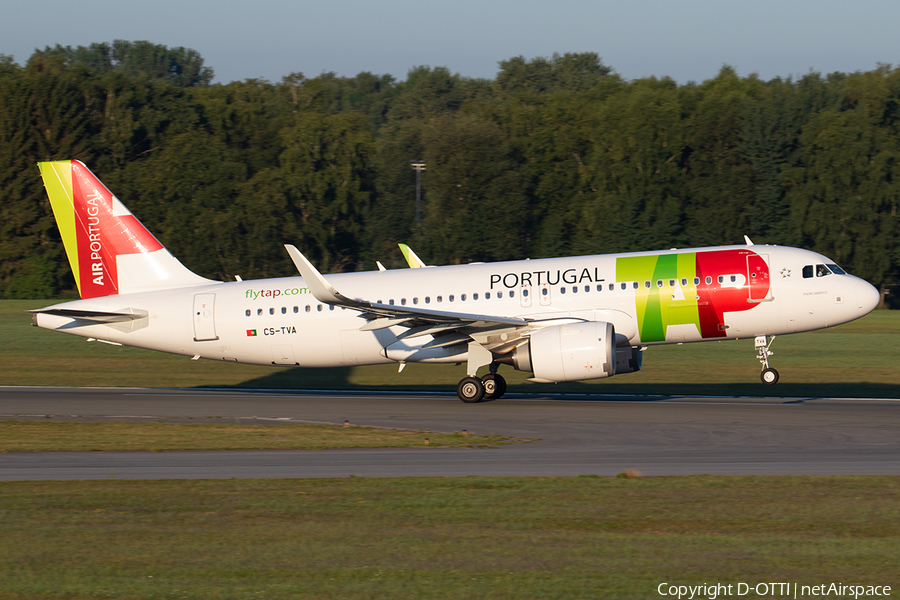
pixel 554 156
pixel 180 66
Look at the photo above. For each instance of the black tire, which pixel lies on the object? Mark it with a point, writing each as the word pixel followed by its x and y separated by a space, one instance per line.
pixel 494 386
pixel 769 376
pixel 470 389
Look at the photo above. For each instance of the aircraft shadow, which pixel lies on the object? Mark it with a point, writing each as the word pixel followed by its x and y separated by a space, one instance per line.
pixel 340 379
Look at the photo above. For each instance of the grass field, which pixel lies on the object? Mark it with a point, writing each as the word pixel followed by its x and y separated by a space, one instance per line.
pixel 857 359
pixel 463 538
pixel 448 538
pixel 46 436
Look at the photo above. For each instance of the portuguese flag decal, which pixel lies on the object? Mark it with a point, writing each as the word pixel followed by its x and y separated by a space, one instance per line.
pixel 251 333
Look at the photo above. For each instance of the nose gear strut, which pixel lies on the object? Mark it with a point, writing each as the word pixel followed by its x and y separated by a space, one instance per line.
pixel 769 376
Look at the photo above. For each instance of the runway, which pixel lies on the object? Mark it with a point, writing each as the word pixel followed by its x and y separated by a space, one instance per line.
pixel 576 435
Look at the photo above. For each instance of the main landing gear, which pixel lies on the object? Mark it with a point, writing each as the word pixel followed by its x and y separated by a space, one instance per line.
pixel 490 387
pixel 769 376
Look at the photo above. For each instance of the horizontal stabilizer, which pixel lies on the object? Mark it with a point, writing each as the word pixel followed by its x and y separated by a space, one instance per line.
pixel 96 316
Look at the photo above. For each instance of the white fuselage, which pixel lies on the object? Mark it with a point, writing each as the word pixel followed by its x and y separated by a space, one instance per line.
pixel 278 321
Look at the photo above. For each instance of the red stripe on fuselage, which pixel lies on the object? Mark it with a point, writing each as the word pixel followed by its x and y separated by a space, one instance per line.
pixel 716 299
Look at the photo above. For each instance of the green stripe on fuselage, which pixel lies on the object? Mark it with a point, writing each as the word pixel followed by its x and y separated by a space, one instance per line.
pixel 658 307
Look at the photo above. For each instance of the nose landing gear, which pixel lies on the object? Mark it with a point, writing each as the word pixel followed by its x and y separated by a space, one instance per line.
pixel 769 376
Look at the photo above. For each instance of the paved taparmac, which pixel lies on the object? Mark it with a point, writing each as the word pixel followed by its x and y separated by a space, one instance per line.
pixel 577 435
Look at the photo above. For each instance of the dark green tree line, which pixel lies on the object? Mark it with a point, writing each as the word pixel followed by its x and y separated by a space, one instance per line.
pixel 552 157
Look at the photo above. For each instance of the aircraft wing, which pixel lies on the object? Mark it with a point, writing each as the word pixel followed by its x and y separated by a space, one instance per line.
pixel 454 327
pixel 411 257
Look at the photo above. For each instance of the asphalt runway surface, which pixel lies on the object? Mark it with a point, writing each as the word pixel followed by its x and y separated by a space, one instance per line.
pixel 577 435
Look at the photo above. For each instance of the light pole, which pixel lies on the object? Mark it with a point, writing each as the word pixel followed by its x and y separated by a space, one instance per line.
pixel 418 166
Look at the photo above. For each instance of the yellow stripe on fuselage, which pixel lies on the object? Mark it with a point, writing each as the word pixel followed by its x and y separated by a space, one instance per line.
pixel 57 176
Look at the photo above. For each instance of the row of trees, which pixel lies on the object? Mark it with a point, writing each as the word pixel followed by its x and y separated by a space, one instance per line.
pixel 552 157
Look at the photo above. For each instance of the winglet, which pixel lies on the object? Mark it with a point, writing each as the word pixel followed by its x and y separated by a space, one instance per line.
pixel 414 261
pixel 747 239
pixel 321 289
pixel 380 266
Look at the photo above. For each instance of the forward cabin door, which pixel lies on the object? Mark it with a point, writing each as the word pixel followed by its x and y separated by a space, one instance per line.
pixel 205 317
pixel 758 280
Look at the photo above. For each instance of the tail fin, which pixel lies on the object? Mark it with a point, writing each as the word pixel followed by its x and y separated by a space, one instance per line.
pixel 110 252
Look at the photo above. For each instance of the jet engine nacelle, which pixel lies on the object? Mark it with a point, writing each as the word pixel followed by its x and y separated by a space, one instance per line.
pixel 567 352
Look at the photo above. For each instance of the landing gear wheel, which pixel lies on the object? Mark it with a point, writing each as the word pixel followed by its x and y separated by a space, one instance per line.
pixel 470 389
pixel 769 376
pixel 494 386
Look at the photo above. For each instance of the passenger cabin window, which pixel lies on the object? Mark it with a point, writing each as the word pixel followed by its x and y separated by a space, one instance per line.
pixel 708 280
pixel 284 310
pixel 258 312
pixel 513 294
pixel 450 297
pixel 659 283
pixel 475 296
pixel 671 283
pixel 462 297
pixel 624 286
pixel 647 284
pixel 684 282
pixel 248 312
pixel 271 311
pixel 487 295
pixel 562 290
pixel 308 308
pixel 635 285
pixel 696 281
pixel 587 288
pixel 296 309
pixel 612 286
pixel 524 293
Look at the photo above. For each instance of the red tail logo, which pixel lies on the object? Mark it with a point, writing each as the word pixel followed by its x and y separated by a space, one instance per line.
pixel 105 230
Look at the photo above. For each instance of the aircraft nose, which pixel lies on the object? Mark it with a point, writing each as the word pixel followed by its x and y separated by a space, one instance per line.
pixel 867 298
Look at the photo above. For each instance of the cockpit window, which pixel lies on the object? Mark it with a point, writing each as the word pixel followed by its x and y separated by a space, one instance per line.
pixel 807 271
pixel 822 271
pixel 836 269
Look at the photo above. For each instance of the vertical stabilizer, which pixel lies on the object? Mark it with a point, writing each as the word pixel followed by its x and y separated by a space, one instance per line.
pixel 110 252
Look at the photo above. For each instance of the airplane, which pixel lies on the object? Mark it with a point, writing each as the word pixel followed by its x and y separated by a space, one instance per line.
pixel 560 319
